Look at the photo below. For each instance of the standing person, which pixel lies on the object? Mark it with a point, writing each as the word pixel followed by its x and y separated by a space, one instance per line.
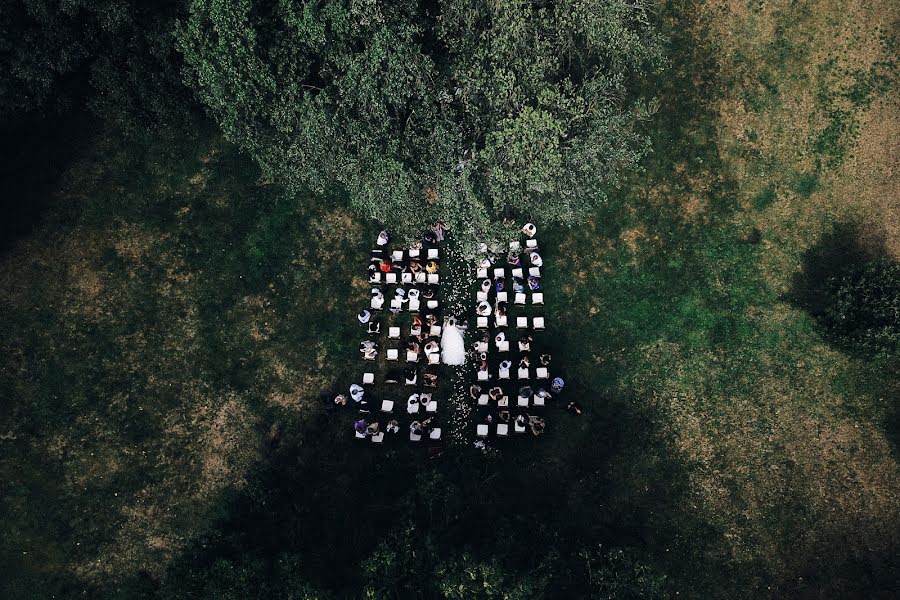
pixel 357 392
pixel 574 408
pixel 383 238
pixel 439 230
pixel 557 386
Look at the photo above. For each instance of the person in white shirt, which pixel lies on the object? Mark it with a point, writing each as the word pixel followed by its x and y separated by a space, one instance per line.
pixel 357 392
pixel 536 260
pixel 383 238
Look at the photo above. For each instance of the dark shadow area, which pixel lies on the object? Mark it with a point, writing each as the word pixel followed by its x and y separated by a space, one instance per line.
pixel 34 153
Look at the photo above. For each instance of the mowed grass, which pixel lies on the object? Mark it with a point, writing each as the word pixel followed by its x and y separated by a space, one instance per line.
pixel 780 124
pixel 167 331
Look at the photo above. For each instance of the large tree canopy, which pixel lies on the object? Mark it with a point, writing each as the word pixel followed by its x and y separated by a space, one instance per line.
pixel 469 111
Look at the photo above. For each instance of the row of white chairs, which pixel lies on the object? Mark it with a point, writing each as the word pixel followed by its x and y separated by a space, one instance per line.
pixel 500 272
pixel 430 254
pixel 394 332
pixel 483 429
pixel 378 438
pixel 540 373
pixel 379 277
pixel 520 298
pixel 536 323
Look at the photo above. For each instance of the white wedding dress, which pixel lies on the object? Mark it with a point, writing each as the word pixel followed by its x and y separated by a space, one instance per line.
pixel 453 347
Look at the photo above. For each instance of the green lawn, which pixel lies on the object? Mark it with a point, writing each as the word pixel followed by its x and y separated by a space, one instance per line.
pixel 168 328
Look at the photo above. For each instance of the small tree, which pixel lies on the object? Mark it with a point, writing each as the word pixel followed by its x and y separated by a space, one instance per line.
pixel 476 113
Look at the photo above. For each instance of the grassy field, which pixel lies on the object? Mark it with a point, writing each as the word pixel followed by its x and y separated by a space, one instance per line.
pixel 168 326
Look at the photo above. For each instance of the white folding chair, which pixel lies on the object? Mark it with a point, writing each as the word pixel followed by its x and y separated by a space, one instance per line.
pixel 368 378
pixel 537 298
pixel 406 277
pixel 434 358
pixel 396 303
pixel 503 346
pixel 515 246
pixel 524 373
pixel 360 436
pixel 433 278
pixel 501 320
pixel 481 296
pixel 532 243
pixel 481 322
pixel 393 354
pixel 481 273
pixel 538 323
pixel 394 333
pixel 503 374
pixel 412 356
pixel 435 331
pixel 414 437
pixel 414 379
pixel 481 347
pixel 520 298
pixel 387 406
pixel 522 322
pixel 538 400
pixel 483 400
pixel 502 296
pixel 432 304
pixel 421 277
pixel 397 255
pixel 534 271
pixel 435 434
pixel 390 278
pixel 499 273
pixel 377 303
pixel 482 430
pixel 433 253
pixel 375 277
pixel 412 407
pixel 414 252
pixel 482 375
pixel 517 272
pixel 519 428
pixel 502 429
pixel 431 406
pixel 413 305
pixel 523 401
pixel 503 402
pixel 378 437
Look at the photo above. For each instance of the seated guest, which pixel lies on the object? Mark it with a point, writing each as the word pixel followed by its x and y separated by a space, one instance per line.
pixel 372 429
pixel 504 416
pixel 364 316
pixel 373 268
pixel 489 418
pixel 400 294
pixel 417 322
pixel 427 424
pixel 514 260
pixel 429 237
pixel 431 267
pixel 501 309
pixel 529 229
pixel 485 285
pixel 573 407
pixel 536 260
pixel 357 392
pixel 544 360
pixel 524 362
pixel 415 428
pixel 383 238
pixel 521 421
pixel 525 391
pixel 483 308
pixel 431 347
pixel 393 426
pixel 360 426
pixel 428 292
pixel 474 391
pixel 414 294
pixel 340 400
pixel 415 267
pixel 485 263
pixel 431 319
pixel 367 345
pixel 518 284
pixel 376 293
pixel 495 393
pixel 370 354
pixel 499 284
pixel 542 393
pixel 505 365
pixel 500 338
pixel 431 379
pixel 525 343
pixel 534 283
pixel 557 385
pixel 537 424
pixel 385 265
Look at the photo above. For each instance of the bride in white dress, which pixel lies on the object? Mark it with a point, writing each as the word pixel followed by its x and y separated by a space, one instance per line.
pixel 453 347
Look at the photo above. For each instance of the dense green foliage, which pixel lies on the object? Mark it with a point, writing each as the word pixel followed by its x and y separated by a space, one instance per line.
pixel 464 110
pixel 116 56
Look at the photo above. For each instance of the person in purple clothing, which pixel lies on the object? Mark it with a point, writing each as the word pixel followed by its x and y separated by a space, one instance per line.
pixel 360 426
